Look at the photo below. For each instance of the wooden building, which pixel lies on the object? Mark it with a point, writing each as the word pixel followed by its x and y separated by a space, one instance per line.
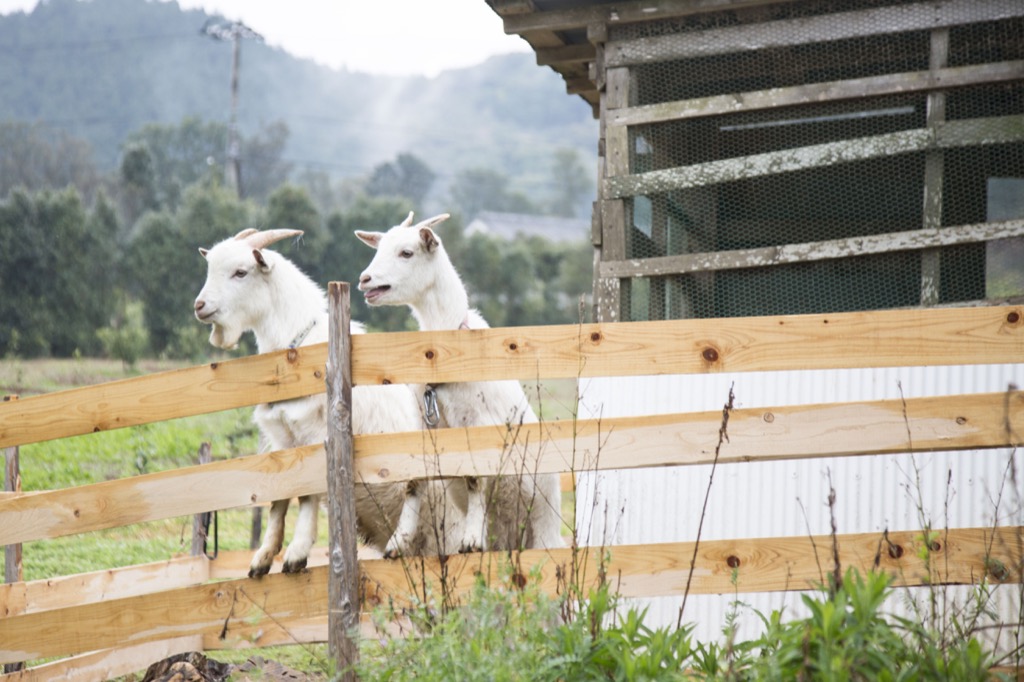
pixel 762 157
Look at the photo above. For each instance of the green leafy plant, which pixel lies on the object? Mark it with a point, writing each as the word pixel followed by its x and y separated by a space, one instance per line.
pixel 503 633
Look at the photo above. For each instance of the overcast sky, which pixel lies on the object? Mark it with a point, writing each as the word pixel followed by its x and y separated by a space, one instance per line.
pixel 394 37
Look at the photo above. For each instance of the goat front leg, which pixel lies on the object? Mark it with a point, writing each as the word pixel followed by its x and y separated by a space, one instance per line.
pixel 474 532
pixel 408 523
pixel 272 540
pixel 297 554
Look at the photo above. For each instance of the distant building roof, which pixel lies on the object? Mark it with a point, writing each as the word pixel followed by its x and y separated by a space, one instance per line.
pixel 509 225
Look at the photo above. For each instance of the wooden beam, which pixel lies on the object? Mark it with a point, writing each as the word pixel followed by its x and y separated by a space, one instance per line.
pixel 621 13
pixel 547 56
pixel 12 489
pixel 953 134
pixel 115 583
pixel 343 577
pixel 201 521
pixel 579 86
pixel 945 423
pixel 849 247
pixel 816 29
pixel 764 343
pixel 615 349
pixel 178 393
pixel 210 609
pixel 958 556
pixel 816 93
pixel 764 434
pixel 934 173
pixel 107 664
pixel 506 8
pixel 177 492
pixel 118 583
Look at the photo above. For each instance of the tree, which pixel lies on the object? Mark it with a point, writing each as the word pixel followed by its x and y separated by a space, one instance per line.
pixel 291 208
pixel 263 168
pixel 36 157
pixel 138 183
pixel 570 182
pixel 181 155
pixel 101 260
pixel 126 338
pixel 57 273
pixel 485 189
pixel 407 176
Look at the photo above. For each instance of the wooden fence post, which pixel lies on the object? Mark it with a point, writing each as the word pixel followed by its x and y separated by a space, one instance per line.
pixel 201 522
pixel 343 577
pixel 12 553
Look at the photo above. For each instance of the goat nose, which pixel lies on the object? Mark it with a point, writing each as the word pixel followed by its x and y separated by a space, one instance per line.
pixel 364 278
pixel 200 305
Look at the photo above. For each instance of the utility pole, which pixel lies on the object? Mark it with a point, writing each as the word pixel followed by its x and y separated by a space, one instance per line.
pixel 233 31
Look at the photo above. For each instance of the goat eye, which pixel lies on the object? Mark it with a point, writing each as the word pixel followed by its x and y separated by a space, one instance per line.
pixel 239 274
pixel 405 253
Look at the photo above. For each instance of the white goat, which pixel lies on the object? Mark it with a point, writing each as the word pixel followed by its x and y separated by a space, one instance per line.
pixel 411 267
pixel 251 288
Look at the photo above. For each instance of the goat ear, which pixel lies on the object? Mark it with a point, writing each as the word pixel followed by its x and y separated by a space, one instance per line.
pixel 261 261
pixel 371 239
pixel 429 239
pixel 203 252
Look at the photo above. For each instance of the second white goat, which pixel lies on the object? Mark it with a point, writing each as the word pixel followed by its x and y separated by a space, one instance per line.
pixel 411 267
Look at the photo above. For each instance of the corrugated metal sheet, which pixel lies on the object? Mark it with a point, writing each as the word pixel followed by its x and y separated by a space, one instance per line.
pixel 771 499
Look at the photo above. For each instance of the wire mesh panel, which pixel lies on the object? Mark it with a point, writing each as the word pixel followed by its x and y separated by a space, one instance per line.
pixel 821 156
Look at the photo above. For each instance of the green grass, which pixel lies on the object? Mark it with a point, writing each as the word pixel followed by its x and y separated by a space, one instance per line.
pixel 111 455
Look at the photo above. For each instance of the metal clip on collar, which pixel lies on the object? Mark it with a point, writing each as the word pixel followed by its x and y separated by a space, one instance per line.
pixel 431 415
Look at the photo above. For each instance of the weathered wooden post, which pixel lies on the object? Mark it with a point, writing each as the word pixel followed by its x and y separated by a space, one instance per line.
pixel 12 553
pixel 201 522
pixel 343 577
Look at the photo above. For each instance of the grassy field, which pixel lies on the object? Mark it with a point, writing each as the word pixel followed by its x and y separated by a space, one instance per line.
pixel 117 454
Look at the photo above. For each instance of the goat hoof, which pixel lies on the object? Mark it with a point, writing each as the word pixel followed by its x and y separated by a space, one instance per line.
pixel 258 571
pixel 294 566
pixel 470 549
pixel 392 554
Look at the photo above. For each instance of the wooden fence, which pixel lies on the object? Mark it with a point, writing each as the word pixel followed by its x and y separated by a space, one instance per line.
pixel 116 621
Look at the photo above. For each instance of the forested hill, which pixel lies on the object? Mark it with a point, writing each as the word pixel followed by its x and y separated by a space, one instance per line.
pixel 104 68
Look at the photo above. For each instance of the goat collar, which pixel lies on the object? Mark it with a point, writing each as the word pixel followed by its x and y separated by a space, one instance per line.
pixel 301 336
pixel 431 410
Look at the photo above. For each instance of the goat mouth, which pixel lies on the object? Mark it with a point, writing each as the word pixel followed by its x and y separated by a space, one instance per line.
pixel 206 317
pixel 371 295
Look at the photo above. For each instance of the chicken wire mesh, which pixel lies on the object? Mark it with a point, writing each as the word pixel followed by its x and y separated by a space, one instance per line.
pixel 765 178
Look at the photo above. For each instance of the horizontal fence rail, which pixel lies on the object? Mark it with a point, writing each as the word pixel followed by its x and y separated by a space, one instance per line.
pixel 233 609
pixel 863 339
pixel 991 420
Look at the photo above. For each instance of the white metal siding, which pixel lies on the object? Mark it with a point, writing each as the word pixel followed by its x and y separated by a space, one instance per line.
pixel 772 499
